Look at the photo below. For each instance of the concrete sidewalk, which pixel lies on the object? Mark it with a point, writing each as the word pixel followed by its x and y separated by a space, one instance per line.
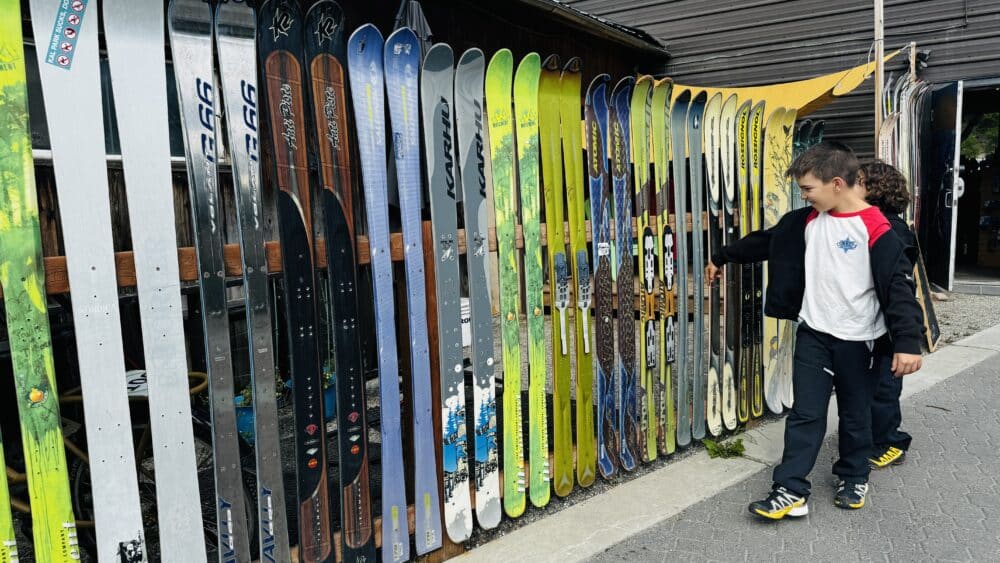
pixel 943 503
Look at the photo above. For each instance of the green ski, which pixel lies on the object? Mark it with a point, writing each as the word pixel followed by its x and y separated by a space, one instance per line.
pixel 646 242
pixel 22 276
pixel 526 119
pixel 569 116
pixel 499 76
pixel 667 338
pixel 559 278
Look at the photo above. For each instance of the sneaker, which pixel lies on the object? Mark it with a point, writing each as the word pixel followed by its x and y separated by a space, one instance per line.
pixel 890 456
pixel 780 503
pixel 850 495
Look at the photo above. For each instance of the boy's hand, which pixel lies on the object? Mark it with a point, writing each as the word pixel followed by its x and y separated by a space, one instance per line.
pixel 712 272
pixel 905 364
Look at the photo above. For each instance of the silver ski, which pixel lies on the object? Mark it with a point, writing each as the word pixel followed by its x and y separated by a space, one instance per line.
pixel 469 132
pixel 436 107
pixel 71 90
pixel 190 24
pixel 235 36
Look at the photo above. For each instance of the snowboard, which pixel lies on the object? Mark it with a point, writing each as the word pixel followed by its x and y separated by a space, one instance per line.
pixel 678 152
pixel 744 310
pixel 402 69
pixel 470 137
pixel 695 133
pixel 364 65
pixel 558 271
pixel 667 308
pixel 606 366
pixel 191 44
pixel 280 33
pixel 526 79
pixel 22 278
pixel 569 117
pixel 618 128
pixel 712 129
pixel 729 286
pixel 499 81
pixel 755 142
pixel 437 87
pixel 647 251
pixel 325 56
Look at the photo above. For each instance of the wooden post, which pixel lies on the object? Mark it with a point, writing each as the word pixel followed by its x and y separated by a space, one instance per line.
pixel 879 67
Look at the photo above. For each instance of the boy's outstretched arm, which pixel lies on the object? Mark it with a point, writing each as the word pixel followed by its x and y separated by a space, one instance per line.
pixel 755 247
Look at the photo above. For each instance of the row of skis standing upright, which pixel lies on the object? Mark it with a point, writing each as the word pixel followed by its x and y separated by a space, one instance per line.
pixel 489 131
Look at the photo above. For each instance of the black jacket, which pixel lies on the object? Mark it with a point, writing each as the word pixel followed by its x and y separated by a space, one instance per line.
pixel 784 248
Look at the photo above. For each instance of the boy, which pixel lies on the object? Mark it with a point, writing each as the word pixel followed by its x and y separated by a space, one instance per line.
pixel 838 269
pixel 883 186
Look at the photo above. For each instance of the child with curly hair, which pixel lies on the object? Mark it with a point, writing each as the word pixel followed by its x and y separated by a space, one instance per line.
pixel 883 186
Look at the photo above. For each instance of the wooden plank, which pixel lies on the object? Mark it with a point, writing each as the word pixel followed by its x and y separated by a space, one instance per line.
pixel 57 281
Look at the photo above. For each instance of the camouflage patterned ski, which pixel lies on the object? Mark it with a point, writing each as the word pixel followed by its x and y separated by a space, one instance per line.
pixel 499 82
pixel 526 120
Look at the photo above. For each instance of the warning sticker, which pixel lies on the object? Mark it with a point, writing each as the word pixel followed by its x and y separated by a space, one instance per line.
pixel 65 32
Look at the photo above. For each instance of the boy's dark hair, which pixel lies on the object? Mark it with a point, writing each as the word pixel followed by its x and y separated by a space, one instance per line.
pixel 826 161
pixel 886 187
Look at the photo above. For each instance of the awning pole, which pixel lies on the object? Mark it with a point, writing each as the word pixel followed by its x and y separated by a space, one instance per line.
pixel 879 70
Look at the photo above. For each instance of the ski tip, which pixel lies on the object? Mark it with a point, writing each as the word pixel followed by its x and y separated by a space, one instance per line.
pixel 644 80
pixel 530 61
pixel 470 56
pixel 439 57
pixel 625 83
pixel 551 63
pixel 363 37
pixel 402 35
pixel 574 65
pixel 503 56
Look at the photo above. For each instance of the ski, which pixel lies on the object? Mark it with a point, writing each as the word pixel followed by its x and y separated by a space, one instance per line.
pixel 235 37
pixel 678 152
pixel 437 89
pixel 402 68
pixel 472 167
pixel 628 414
pixel 8 540
pixel 667 337
pixel 755 142
pixel 559 274
pixel 22 278
pixel 784 189
pixel 191 45
pixel 697 183
pixel 777 133
pixel 711 132
pixel 605 368
pixel 746 356
pixel 647 251
pixel 364 63
pixel 729 286
pixel 325 52
pixel 499 81
pixel 280 31
pixel 526 132
pixel 569 117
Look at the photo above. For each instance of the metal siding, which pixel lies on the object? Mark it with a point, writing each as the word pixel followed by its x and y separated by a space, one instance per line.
pixel 728 43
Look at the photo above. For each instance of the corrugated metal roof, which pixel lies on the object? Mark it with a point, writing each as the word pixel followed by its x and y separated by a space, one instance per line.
pixel 728 43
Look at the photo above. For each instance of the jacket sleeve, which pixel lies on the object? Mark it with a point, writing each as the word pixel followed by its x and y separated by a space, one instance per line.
pixel 902 312
pixel 755 247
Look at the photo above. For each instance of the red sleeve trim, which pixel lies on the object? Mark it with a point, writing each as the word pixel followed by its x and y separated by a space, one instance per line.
pixel 812 215
pixel 876 223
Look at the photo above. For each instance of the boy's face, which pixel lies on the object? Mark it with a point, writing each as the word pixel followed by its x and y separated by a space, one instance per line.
pixel 822 196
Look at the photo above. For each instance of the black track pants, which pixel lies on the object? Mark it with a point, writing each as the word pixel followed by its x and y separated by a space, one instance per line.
pixel 824 362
